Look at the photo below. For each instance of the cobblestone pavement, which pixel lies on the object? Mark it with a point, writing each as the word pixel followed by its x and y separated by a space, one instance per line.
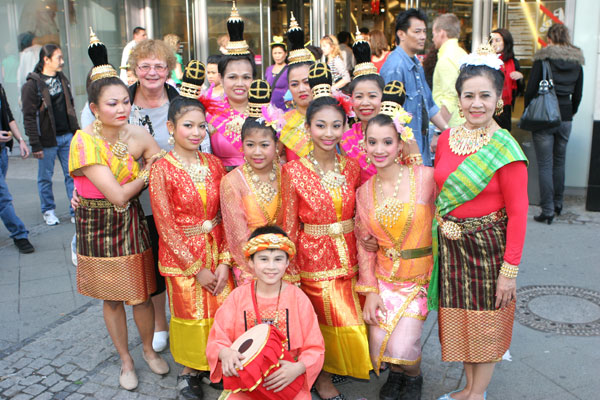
pixel 54 345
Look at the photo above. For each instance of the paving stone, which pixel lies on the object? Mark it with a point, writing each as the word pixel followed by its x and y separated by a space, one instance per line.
pixel 61 395
pixel 22 363
pixel 51 380
pixel 8 382
pixel 66 369
pixel 60 361
pixel 89 388
pixel 30 380
pixel 45 396
pixel 12 391
pixel 76 375
pixel 25 372
pixel 59 386
pixel 105 393
pixel 125 395
pixel 75 396
pixel 38 363
pixel 22 396
pixel 45 371
pixel 34 390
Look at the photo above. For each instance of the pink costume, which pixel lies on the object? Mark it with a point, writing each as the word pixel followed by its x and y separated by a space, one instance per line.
pixel 353 144
pixel 226 140
pixel 400 270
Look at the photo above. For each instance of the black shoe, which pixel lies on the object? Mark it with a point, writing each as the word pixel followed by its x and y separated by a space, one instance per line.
pixel 412 390
pixel 544 218
pixel 393 387
pixel 205 378
pixel 24 246
pixel 558 210
pixel 189 387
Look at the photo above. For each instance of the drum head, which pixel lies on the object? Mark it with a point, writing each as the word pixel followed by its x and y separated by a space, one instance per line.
pixel 251 342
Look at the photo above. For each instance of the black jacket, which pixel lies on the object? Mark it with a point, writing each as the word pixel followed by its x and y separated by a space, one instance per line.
pixel 567 76
pixel 38 115
pixel 5 115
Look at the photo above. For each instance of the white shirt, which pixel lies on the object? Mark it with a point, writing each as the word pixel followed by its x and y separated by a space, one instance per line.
pixel 124 58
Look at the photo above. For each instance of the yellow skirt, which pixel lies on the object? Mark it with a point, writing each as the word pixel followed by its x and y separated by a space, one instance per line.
pixel 340 318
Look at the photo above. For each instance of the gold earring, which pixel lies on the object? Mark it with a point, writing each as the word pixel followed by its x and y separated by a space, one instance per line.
pixel 368 160
pixel 97 126
pixel 461 113
pixel 499 107
pixel 171 140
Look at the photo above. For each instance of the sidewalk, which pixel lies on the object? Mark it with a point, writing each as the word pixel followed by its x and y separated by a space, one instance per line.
pixel 54 345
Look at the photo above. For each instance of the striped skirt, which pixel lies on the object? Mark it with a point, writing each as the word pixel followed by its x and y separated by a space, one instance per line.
pixel 471 328
pixel 114 257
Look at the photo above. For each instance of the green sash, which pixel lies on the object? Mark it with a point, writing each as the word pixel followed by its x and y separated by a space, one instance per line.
pixel 464 184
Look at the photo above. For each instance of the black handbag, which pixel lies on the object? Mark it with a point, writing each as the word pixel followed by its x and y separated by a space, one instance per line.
pixel 543 111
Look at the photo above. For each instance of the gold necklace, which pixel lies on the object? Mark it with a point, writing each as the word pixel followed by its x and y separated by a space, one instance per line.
pixel 276 320
pixel 263 190
pixel 390 208
pixel 196 171
pixel 234 126
pixel 119 149
pixel 464 141
pixel 333 180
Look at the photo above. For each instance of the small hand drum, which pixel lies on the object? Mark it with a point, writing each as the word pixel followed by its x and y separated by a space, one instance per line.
pixel 263 346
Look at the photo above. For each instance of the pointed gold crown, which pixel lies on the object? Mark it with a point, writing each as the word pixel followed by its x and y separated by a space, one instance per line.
pixel 366 67
pixel 359 36
pixel 97 52
pixel 235 15
pixel 235 26
pixel 293 22
pixel 298 55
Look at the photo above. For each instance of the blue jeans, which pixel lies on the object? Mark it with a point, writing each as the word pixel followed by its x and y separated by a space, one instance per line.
pixel 550 150
pixel 15 226
pixel 46 170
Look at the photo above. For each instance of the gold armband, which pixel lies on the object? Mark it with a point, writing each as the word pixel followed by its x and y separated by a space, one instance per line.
pixel 144 176
pixel 413 159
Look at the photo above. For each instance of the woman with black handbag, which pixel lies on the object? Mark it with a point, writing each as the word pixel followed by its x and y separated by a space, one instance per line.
pixel 566 76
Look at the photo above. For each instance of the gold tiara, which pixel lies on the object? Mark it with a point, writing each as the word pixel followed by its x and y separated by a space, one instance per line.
pixel 366 68
pixel 300 55
pixel 322 90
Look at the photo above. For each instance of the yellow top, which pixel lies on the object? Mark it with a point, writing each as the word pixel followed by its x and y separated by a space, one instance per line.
pixel 444 78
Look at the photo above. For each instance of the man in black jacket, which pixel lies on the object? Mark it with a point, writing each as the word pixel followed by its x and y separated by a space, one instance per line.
pixel 50 122
pixel 8 131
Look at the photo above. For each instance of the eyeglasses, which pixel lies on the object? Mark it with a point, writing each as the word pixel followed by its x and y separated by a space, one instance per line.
pixel 160 68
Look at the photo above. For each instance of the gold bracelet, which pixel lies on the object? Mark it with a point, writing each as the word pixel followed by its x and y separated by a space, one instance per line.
pixel 508 270
pixel 144 176
pixel 413 159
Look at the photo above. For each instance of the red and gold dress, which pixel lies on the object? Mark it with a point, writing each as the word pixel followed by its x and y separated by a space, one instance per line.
pixel 320 220
pixel 243 211
pixel 400 270
pixel 191 237
pixel 292 314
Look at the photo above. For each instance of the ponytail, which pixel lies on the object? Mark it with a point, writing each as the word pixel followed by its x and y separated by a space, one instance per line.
pixel 47 50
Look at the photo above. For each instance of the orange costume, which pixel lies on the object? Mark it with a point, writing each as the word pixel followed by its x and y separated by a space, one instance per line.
pixel 400 270
pixel 191 238
pixel 243 211
pixel 294 317
pixel 320 221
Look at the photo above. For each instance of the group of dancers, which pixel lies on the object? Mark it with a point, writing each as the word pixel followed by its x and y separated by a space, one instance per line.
pixel 338 237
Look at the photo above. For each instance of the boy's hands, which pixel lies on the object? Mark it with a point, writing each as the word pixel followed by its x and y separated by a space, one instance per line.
pixel 285 375
pixel 230 361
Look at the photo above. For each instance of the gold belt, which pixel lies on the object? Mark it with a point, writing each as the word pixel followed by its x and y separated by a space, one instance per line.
pixel 335 229
pixel 203 228
pixel 454 230
pixel 101 203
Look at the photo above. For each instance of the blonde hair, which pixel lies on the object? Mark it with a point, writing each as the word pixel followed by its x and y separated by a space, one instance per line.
pixel 335 45
pixel 448 23
pixel 152 48
pixel 172 40
pixel 378 43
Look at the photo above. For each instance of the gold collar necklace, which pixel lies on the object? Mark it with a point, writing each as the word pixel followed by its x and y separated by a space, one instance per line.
pixel 465 141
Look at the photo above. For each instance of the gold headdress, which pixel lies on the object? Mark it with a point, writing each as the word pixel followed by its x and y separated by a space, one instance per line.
pixel 235 26
pixel 298 53
pixel 99 56
pixel 320 80
pixel 362 54
pixel 391 105
pixel 279 41
pixel 484 55
pixel 193 78
pixel 269 241
pixel 259 95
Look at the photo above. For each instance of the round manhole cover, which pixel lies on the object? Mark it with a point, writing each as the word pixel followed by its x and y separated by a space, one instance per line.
pixel 566 310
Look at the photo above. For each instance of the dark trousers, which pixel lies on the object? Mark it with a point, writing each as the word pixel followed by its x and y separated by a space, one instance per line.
pixel 550 151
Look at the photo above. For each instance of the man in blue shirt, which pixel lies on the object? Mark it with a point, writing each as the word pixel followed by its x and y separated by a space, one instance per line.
pixel 403 65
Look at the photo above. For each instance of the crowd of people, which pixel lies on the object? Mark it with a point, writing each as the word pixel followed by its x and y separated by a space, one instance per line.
pixel 338 202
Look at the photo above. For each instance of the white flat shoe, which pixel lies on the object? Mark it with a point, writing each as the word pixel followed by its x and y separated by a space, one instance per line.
pixel 160 341
pixel 128 380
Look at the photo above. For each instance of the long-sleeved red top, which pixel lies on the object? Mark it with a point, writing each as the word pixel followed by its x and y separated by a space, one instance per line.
pixel 507 189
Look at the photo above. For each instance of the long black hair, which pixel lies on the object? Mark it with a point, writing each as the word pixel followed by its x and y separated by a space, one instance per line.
pixel 507 52
pixel 47 50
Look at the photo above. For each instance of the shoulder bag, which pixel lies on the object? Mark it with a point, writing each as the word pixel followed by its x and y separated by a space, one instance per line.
pixel 543 111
